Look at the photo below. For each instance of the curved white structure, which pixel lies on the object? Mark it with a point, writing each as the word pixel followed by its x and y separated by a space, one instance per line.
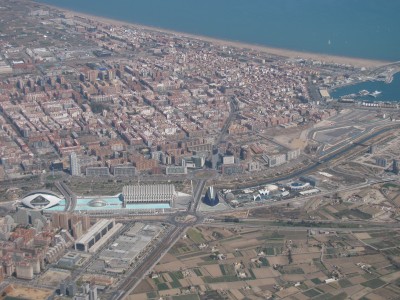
pixel 263 192
pixel 255 197
pixel 40 200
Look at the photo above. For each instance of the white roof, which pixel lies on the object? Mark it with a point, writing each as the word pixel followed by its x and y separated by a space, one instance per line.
pixel 53 200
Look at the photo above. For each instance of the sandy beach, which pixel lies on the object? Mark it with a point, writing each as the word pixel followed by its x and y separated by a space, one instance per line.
pixel 357 62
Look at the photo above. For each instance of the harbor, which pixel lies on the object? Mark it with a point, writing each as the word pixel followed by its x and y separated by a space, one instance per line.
pixel 381 89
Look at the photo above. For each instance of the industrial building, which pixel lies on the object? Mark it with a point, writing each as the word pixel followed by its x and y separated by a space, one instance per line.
pixel 69 260
pixel 124 171
pixel 128 246
pixel 97 171
pixel 232 169
pixel 276 160
pixel 292 154
pixel 97 235
pixel 194 162
pixel 228 160
pixel 175 170
pixel 211 198
pixel 158 193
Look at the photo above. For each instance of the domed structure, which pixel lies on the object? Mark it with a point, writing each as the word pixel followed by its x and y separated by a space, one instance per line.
pixel 41 199
pixel 97 203
pixel 296 186
pixel 271 187
pixel 211 198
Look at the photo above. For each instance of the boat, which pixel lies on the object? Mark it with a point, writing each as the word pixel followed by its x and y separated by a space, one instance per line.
pixel 375 94
pixel 363 93
pixel 349 96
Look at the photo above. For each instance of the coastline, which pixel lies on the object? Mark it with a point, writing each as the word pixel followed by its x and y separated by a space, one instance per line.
pixel 356 62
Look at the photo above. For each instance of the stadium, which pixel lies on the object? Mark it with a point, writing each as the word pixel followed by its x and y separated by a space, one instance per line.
pixel 298 186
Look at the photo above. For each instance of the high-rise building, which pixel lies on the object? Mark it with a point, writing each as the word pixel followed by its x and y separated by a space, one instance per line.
pixel 24 270
pixel 396 167
pixel 55 220
pixel 68 288
pixel 92 75
pixel 381 161
pixel 111 74
pixel 75 223
pixel 77 230
pixel 75 168
pixel 85 219
pixel 372 149
pixel 276 160
pixel 63 220
pixel 93 293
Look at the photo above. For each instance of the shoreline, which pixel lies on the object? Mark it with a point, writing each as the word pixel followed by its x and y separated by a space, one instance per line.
pixel 334 59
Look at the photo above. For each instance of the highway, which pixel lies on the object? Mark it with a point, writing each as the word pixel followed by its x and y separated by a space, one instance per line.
pixel 232 114
pixel 358 226
pixel 197 194
pixel 326 158
pixel 298 200
pixel 157 252
pixel 69 196
pixel 63 191
pixel 148 262
pixel 134 276
pixel 137 274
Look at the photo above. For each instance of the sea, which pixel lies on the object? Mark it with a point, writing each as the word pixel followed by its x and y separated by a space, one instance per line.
pixel 355 28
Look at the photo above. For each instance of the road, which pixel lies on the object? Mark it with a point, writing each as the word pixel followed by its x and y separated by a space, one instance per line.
pixel 326 158
pixel 232 114
pixel 153 257
pixel 135 275
pixel 163 246
pixel 142 267
pixel 63 191
pixel 197 194
pixel 68 194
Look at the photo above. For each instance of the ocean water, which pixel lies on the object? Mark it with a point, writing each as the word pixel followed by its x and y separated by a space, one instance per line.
pixel 356 28
pixel 389 91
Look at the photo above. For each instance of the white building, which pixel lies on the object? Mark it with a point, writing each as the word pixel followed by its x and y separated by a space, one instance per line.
pixel 75 167
pixel 97 235
pixel 159 193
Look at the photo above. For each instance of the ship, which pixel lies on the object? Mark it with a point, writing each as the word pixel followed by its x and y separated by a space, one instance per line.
pixel 375 94
pixel 348 96
pixel 363 93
